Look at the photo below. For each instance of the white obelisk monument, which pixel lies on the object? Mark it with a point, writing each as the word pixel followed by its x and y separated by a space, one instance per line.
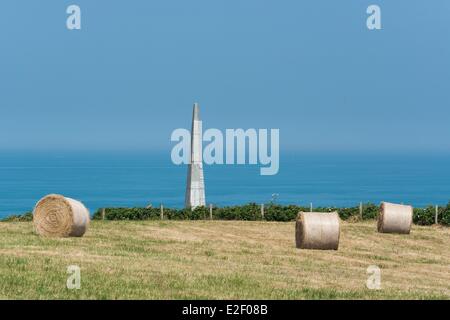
pixel 195 188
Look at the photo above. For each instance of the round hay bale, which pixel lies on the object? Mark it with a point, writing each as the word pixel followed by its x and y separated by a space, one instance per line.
pixel 394 218
pixel 58 216
pixel 317 230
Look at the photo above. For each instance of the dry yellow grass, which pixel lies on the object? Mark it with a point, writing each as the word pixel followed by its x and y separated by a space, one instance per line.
pixel 222 260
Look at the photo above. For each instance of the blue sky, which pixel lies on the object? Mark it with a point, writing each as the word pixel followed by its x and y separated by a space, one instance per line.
pixel 310 68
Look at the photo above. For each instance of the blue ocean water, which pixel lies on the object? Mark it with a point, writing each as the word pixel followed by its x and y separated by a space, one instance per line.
pixel 101 179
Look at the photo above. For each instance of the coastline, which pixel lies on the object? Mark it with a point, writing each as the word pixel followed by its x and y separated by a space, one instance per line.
pixel 137 179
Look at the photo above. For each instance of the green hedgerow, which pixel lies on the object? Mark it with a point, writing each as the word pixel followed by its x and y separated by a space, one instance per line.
pixel 252 212
pixel 28 216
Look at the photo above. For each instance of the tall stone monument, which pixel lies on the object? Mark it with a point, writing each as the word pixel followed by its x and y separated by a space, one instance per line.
pixel 195 188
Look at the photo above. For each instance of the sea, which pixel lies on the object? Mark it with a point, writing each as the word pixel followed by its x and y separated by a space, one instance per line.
pixel 137 179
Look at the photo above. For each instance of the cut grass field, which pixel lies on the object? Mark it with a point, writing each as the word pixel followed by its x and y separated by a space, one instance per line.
pixel 221 260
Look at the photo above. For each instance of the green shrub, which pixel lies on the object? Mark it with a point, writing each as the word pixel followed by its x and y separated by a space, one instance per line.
pixel 346 213
pixel 370 211
pixel 128 214
pixel 424 216
pixel 250 211
pixel 445 215
pixel 19 217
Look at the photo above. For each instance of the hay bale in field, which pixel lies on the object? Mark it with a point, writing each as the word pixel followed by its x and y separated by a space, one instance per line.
pixel 395 218
pixel 316 230
pixel 58 216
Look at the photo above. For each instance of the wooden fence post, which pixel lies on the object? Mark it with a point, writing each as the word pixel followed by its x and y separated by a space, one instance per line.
pixel 262 211
pixel 162 212
pixel 436 215
pixel 103 213
pixel 361 210
pixel 210 211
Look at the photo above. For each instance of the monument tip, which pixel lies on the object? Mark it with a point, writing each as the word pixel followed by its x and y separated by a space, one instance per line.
pixel 196 112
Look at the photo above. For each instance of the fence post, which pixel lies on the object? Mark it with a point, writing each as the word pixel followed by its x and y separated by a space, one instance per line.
pixel 436 215
pixel 210 211
pixel 310 207
pixel 162 212
pixel 103 213
pixel 361 210
pixel 262 211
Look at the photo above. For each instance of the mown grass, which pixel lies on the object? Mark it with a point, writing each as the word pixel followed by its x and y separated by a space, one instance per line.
pixel 221 260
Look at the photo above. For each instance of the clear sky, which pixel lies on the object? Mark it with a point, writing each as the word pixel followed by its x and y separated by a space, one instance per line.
pixel 310 68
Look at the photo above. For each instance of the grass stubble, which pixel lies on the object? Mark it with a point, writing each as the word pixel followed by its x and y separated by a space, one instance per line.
pixel 222 260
